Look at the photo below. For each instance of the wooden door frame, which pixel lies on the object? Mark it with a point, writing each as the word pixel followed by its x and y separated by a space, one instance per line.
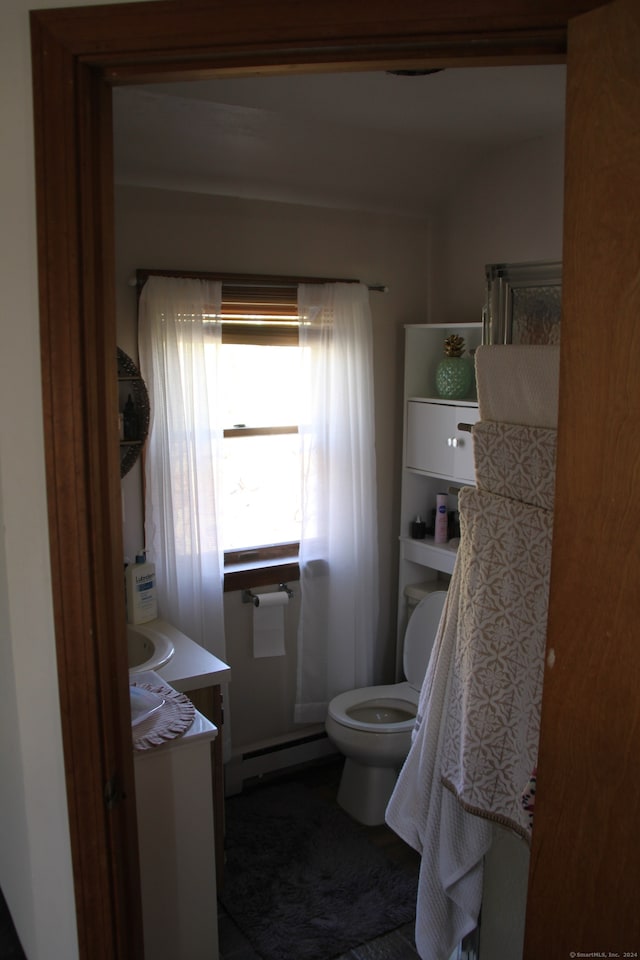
pixel 77 54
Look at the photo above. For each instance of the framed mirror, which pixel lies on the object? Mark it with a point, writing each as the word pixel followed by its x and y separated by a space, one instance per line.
pixel 523 303
pixel 134 411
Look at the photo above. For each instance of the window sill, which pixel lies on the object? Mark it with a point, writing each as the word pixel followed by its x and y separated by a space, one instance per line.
pixel 260 573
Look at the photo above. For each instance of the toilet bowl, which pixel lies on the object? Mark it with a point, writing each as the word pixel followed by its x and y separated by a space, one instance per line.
pixel 372 726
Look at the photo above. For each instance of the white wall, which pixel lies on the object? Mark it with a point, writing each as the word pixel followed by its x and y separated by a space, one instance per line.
pixel 35 864
pixel 508 210
pixel 164 229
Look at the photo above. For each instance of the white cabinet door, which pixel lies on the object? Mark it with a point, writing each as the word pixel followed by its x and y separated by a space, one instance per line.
pixel 435 445
pixel 174 803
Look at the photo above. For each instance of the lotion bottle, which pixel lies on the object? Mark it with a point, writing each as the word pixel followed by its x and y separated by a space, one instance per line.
pixel 140 578
pixel 441 534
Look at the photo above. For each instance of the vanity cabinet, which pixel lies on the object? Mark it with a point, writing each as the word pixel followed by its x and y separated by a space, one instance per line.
pixel 437 452
pixel 202 677
pixel 174 805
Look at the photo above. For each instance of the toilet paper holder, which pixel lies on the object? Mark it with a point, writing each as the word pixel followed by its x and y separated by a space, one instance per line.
pixel 249 597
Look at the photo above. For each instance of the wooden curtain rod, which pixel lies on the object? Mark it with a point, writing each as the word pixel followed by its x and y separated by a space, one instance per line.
pixel 244 280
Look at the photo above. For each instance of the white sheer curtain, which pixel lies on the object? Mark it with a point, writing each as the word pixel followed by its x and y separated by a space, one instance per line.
pixel 179 350
pixel 337 634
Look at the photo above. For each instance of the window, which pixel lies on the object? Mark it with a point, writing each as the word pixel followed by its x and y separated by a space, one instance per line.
pixel 257 370
pixel 260 509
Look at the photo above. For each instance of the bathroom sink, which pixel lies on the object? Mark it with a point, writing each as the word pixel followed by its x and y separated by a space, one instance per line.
pixel 148 648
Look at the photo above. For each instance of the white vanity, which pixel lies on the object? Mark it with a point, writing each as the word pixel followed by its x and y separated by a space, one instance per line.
pixel 178 788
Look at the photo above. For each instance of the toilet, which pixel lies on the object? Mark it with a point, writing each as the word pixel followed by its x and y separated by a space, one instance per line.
pixel 372 726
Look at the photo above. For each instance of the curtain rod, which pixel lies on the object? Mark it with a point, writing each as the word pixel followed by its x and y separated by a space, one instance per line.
pixel 244 280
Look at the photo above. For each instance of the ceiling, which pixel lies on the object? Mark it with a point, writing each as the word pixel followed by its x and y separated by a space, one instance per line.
pixel 365 141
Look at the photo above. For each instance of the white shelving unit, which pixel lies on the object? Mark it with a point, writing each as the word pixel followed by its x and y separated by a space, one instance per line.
pixel 437 454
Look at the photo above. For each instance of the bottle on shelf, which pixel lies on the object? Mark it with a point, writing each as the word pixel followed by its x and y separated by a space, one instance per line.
pixel 441 533
pixel 418 528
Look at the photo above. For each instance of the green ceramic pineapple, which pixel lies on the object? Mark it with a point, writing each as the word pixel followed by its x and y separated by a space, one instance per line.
pixel 454 373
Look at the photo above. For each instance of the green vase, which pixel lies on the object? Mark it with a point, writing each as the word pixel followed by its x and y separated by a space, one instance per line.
pixel 454 378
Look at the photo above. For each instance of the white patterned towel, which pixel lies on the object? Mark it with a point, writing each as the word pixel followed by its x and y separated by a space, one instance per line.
pixel 493 709
pixel 517 462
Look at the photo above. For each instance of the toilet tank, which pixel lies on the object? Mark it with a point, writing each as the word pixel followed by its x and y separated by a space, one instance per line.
pixel 414 592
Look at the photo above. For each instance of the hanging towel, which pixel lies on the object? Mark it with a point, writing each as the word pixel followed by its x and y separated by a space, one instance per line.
pixel 517 462
pixel 451 841
pixel 476 734
pixel 518 384
pixel 493 708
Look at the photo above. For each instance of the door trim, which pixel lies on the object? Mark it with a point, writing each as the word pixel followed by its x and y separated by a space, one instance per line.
pixel 77 54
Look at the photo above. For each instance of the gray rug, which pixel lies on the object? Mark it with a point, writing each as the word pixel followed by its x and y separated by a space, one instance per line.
pixel 302 879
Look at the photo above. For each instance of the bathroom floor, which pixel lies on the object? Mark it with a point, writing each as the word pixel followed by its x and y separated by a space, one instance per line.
pixel 324 777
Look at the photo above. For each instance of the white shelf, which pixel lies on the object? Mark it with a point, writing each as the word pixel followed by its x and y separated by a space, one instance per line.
pixel 446 482
pixel 437 556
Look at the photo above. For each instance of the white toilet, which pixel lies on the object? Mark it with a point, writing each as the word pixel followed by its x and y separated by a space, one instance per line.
pixel 372 726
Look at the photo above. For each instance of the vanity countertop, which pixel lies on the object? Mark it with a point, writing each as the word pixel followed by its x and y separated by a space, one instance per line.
pixel 191 667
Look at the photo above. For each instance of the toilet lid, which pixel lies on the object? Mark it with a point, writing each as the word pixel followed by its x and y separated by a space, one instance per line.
pixel 420 635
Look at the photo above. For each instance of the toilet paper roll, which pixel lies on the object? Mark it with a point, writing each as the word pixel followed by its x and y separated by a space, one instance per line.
pixel 275 599
pixel 268 624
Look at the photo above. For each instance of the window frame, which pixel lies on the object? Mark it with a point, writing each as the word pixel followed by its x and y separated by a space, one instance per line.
pixel 270 299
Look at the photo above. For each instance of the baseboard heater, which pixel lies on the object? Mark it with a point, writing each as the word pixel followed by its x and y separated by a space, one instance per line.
pixel 258 759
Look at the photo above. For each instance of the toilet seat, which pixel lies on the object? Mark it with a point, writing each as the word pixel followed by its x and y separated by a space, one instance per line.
pixel 400 697
pixel 372 709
